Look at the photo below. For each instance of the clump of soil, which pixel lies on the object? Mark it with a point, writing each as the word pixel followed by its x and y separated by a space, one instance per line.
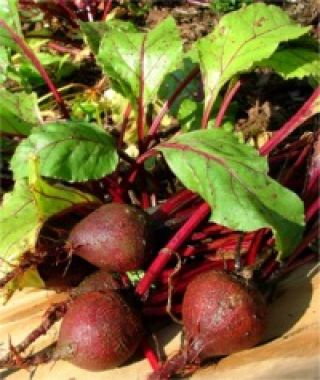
pixel 305 12
pixel 194 22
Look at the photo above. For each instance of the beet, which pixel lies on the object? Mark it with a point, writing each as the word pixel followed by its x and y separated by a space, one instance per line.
pixel 222 315
pixel 113 237
pixel 100 330
pixel 100 281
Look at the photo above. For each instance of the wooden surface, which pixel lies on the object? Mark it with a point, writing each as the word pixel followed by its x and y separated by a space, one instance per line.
pixel 290 351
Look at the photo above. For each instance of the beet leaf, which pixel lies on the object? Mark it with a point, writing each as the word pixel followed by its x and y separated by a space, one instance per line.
pixel 73 151
pixel 19 112
pixel 95 30
pixel 294 63
pixel 233 179
pixel 137 63
pixel 240 40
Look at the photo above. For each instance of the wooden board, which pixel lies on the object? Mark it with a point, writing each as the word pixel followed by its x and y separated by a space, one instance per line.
pixel 291 348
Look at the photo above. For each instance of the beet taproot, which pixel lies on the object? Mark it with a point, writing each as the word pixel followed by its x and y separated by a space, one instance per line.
pixel 99 331
pixel 113 237
pixel 222 314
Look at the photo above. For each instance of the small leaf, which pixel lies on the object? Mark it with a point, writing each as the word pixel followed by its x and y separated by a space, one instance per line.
pixel 19 112
pixel 294 63
pixel 9 13
pixel 133 58
pixel 26 209
pixel 190 114
pixel 71 151
pixel 174 78
pixel 233 179
pixel 57 66
pixel 240 40
pixel 95 30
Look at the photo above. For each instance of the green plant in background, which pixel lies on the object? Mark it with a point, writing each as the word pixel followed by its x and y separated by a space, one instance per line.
pixel 225 6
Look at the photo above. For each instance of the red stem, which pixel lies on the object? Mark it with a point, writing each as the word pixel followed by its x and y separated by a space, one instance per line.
pixel 293 169
pixel 313 184
pixel 206 113
pixel 180 283
pixel 280 158
pixel 226 102
pixel 188 251
pixel 72 19
pixel 314 171
pixel 209 230
pixel 149 354
pixel 269 269
pixel 165 253
pixel 124 125
pixel 308 239
pixel 313 209
pixel 168 103
pixel 136 167
pixel 35 61
pixel 174 203
pixel 217 264
pixel 72 16
pixel 182 215
pixel 295 121
pixel 229 241
pixel 299 263
pixel 107 9
pixel 145 200
pixel 114 190
pixel 255 246
pixel 63 49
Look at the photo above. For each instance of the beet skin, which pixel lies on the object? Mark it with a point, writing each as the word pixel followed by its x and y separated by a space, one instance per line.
pixel 113 237
pixel 99 281
pixel 221 315
pixel 101 330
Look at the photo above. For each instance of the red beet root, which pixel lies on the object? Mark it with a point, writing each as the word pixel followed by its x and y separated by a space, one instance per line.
pixel 100 331
pixel 221 316
pixel 221 313
pixel 113 237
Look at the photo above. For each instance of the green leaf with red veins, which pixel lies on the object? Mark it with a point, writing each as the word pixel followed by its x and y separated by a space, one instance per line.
pixel 24 211
pixel 233 179
pixel 138 62
pixel 240 40
pixel 69 150
pixel 294 63
pixel 95 30
pixel 19 112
